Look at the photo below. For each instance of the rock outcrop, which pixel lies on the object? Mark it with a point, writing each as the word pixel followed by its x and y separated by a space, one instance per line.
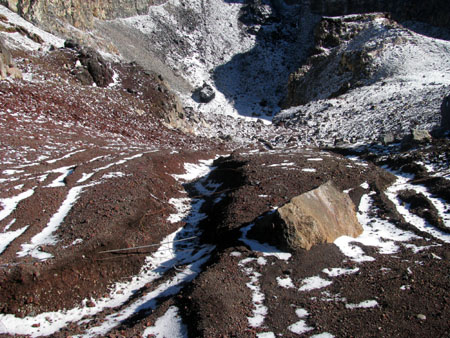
pixel 94 69
pixel 7 66
pixel 53 14
pixel 434 12
pixel 336 59
pixel 318 216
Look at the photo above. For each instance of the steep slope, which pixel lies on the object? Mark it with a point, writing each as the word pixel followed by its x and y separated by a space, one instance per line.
pixel 371 77
pixel 244 50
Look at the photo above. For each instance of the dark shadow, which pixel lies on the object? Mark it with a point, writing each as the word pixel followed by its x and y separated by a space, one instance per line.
pixel 255 82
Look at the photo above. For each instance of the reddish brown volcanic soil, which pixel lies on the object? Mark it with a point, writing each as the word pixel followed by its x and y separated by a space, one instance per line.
pixel 107 157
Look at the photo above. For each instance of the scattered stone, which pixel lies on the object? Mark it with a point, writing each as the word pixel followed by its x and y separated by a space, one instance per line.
pixel 318 216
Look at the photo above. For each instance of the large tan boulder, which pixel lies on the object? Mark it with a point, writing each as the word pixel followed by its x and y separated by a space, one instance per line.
pixel 318 216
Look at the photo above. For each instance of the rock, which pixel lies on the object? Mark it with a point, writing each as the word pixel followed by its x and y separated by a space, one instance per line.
pixel 7 66
pixel 255 12
pixel 445 113
pixel 14 73
pixel 72 44
pixel 206 93
pixel 416 137
pixel 388 138
pixel 97 67
pixel 80 13
pixel 400 10
pixel 419 135
pixel 83 76
pixel 421 317
pixel 318 216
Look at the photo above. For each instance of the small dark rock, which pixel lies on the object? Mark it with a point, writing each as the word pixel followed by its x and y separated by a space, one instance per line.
pixel 206 93
pixel 71 44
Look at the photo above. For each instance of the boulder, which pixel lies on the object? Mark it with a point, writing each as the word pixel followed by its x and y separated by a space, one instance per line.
pixel 445 113
pixel 419 135
pixel 318 216
pixel 206 93
pixel 415 138
pixel 97 67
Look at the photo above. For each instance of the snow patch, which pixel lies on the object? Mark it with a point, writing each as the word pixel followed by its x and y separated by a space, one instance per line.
pixel 169 325
pixel 6 238
pixel 10 204
pixel 335 272
pixel 300 327
pixel 313 283
pixel 363 305
pixel 285 282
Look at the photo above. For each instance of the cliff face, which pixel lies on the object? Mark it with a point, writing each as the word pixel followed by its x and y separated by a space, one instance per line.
pixel 52 14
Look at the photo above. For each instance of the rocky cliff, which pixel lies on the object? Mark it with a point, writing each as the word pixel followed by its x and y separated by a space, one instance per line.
pixel 434 12
pixel 53 14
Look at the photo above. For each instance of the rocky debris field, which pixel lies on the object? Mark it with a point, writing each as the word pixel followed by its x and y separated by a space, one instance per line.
pixel 125 214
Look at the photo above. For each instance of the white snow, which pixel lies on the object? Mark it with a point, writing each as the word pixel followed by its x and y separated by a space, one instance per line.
pixel 182 206
pixel 192 257
pixel 313 283
pixel 45 237
pixel 87 176
pixel 9 225
pixel 235 254
pixel 195 170
pixel 365 185
pixel 9 204
pixel 403 184
pixel 114 174
pixel 8 237
pixel 169 325
pixel 18 41
pixel 59 181
pixel 10 172
pixel 335 272
pixel 317 159
pixel 66 156
pixel 261 261
pixel 377 233
pixel 363 305
pixel 285 282
pixel 322 335
pixel 266 335
pixel 309 170
pixel 259 309
pixel 301 313
pixel 300 327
